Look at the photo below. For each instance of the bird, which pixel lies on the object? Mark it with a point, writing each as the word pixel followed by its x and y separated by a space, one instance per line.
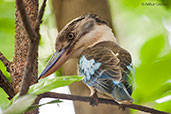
pixel 107 67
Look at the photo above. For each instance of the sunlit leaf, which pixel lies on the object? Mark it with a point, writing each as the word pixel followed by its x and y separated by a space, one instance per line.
pixel 21 105
pixel 7 28
pixel 165 106
pixel 3 69
pixel 162 91
pixel 10 14
pixel 3 99
pixel 152 77
pixel 46 84
pixel 151 49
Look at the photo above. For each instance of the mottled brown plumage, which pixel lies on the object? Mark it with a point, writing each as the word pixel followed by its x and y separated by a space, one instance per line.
pixel 115 61
pixel 124 58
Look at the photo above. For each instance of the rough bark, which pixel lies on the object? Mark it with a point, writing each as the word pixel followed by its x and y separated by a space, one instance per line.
pixel 4 83
pixel 22 47
pixel 66 10
pixel 22 44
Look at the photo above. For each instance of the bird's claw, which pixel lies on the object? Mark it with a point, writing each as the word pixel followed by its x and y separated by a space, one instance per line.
pixel 122 107
pixel 94 100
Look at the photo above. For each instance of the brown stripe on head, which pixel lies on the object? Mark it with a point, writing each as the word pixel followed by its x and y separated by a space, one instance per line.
pixel 76 24
pixel 98 19
pixel 85 30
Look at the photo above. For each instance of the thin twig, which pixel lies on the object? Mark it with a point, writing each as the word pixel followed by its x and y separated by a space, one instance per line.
pixel 6 86
pixel 34 41
pixel 25 20
pixel 100 100
pixel 39 18
pixel 27 78
pixel 4 83
pixel 5 61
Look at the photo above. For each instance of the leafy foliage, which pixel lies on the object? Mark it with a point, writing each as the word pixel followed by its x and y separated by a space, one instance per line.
pixel 149 51
pixel 153 73
pixel 21 104
pixel 3 99
pixel 45 85
pixel 145 31
pixel 7 30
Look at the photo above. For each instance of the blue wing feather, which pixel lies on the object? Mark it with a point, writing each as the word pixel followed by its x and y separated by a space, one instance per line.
pixel 107 73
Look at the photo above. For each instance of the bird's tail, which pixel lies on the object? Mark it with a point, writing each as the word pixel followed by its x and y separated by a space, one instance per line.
pixel 120 93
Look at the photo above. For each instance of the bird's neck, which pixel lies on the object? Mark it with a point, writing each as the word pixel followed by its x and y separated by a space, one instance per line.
pixel 102 34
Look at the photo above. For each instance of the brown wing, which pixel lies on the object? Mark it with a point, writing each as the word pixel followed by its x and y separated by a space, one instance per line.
pixel 117 62
pixel 110 64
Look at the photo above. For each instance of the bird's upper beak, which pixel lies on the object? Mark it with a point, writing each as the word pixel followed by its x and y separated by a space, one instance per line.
pixel 55 62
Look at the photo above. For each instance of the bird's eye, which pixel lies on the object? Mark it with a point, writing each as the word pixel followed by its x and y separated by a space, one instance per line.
pixel 70 36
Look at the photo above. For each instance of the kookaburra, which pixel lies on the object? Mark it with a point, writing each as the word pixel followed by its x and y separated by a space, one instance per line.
pixel 106 66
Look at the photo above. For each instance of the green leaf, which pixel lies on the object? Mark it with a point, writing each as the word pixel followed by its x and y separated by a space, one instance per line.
pixel 153 76
pixel 20 105
pixel 3 69
pixel 165 106
pixel 3 99
pixel 7 28
pixel 151 49
pixel 46 84
pixel 162 91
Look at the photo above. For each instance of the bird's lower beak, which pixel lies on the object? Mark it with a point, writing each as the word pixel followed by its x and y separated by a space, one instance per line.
pixel 55 62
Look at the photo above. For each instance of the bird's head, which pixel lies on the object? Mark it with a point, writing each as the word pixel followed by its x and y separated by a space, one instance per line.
pixel 78 35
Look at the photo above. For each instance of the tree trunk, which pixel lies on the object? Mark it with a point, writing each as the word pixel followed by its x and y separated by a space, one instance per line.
pixel 66 10
pixel 21 47
pixel 22 44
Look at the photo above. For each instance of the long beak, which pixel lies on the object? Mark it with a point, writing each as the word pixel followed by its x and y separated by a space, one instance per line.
pixel 55 62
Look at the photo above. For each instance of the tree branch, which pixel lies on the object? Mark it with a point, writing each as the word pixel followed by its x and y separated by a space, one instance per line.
pixel 34 41
pixel 39 18
pixel 100 100
pixel 26 22
pixel 6 86
pixel 4 83
pixel 5 61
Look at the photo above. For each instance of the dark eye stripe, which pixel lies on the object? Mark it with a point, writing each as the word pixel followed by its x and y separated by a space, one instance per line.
pixel 87 27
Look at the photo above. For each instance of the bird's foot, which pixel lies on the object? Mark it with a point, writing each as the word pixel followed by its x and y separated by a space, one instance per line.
pixel 94 100
pixel 122 107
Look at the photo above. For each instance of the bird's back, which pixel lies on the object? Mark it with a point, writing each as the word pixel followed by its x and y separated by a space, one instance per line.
pixel 107 68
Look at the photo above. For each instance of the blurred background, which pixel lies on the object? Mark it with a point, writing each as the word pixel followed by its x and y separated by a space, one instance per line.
pixel 142 27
